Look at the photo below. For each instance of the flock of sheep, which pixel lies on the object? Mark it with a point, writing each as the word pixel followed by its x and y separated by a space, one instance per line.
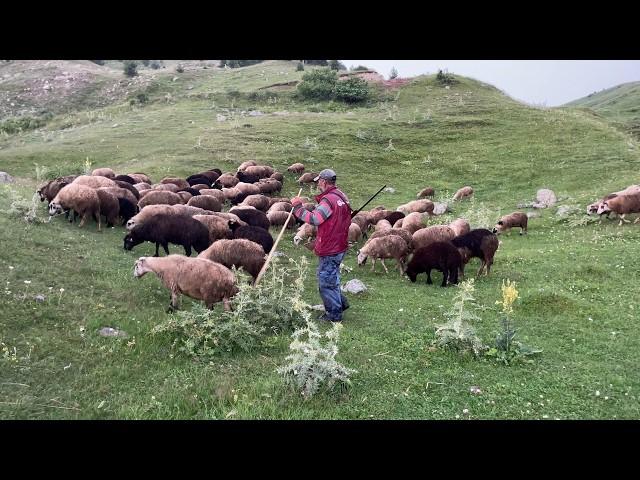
pixel 188 212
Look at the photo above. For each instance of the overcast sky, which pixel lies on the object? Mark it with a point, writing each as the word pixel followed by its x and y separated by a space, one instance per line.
pixel 538 82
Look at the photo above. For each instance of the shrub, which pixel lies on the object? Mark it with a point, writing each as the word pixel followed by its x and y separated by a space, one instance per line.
pixel 180 69
pixel 146 63
pixel 318 84
pixel 322 63
pixel 312 365
pixel 22 208
pixel 238 63
pixel 336 65
pixel 457 333
pixel 130 68
pixel 273 306
pixel 359 68
pixel 300 67
pixel 393 74
pixel 353 90
pixel 140 98
pixel 21 124
pixel 156 64
pixel 445 78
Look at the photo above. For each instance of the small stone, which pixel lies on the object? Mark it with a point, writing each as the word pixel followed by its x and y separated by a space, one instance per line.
pixel 475 390
pixel 6 178
pixel 563 211
pixel 220 118
pixel 440 208
pixel 112 332
pixel 354 286
pixel 255 113
pixel 390 190
pixel 319 308
pixel 40 298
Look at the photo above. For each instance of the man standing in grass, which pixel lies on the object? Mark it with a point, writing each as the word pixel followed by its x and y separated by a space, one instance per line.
pixel 332 216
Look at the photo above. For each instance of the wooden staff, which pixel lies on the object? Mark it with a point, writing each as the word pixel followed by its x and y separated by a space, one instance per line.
pixel 273 249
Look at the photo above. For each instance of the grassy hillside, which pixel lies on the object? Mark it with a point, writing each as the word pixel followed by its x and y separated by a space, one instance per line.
pixel 576 294
pixel 620 104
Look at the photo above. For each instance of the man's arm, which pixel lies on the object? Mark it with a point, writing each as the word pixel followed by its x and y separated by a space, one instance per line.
pixel 316 217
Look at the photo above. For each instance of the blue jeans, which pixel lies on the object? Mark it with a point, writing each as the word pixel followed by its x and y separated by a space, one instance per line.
pixel 329 285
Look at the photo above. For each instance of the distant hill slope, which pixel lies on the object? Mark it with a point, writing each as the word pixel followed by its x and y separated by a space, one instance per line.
pixel 620 104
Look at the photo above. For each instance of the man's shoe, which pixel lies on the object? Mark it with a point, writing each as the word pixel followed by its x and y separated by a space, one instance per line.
pixel 345 305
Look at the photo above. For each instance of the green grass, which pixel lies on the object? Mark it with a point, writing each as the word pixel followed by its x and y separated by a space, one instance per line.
pixel 577 293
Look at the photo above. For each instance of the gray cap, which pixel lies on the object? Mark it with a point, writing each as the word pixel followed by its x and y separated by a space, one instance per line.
pixel 326 174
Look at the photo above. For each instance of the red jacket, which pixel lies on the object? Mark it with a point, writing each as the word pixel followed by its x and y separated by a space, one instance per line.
pixel 333 233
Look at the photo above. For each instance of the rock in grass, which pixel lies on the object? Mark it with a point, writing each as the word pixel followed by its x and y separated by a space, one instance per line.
pixel 5 178
pixel 39 298
pixel 563 211
pixel 354 286
pixel 112 332
pixel 545 198
pixel 440 208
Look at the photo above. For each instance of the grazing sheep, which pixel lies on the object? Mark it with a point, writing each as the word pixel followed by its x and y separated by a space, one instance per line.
pixel 464 192
pixel 296 168
pixel 197 278
pixel 203 186
pixel 305 232
pixel 210 175
pixel 390 246
pixel 378 214
pixel 206 202
pixel 427 192
pixel 262 171
pixel 393 217
pixel 244 165
pixel 230 216
pixel 398 223
pixel 307 178
pixel 279 218
pixel 216 170
pixel 277 176
pixel 192 191
pixel 218 227
pixel 479 243
pixel 166 187
pixel 127 209
pixel 94 182
pixel 159 198
pixel 621 205
pixel 259 201
pixel 120 193
pixel 179 182
pixel 364 221
pixel 248 188
pixel 406 236
pixel 163 229
pixel 412 222
pixel 269 185
pixel 280 207
pixel 515 219
pixel 185 196
pixel 429 235
pixel 49 190
pixel 460 226
pixel 420 206
pixel 109 206
pixel 141 186
pixel 199 181
pixel 355 234
pixel 230 193
pixel 226 180
pixel 103 172
pixel 140 177
pixel 442 256
pixel 80 198
pixel 212 192
pixel 129 187
pixel 247 177
pixel 151 210
pixel 382 225
pixel 252 217
pixel 125 178
pixel 239 253
pixel 593 208
pixel 256 234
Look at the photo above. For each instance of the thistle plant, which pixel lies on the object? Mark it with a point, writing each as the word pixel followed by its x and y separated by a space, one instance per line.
pixel 457 333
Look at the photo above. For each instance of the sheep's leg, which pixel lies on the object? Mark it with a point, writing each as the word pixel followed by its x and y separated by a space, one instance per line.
pixel 622 219
pixel 445 274
pixel 429 281
pixel 373 264
pixel 227 304
pixel 386 270
pixel 482 265
pixel 489 263
pixel 400 266
pixel 84 219
pixel 187 250
pixel 157 246
pixel 166 248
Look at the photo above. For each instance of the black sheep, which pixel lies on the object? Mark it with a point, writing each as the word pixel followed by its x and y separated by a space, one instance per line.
pixel 164 229
pixel 253 217
pixel 193 180
pixel 393 217
pixel 247 177
pixel 192 191
pixel 255 234
pixel 217 170
pixel 125 178
pixel 480 243
pixel 212 176
pixel 127 210
pixel 442 256
pixel 127 186
pixel 238 198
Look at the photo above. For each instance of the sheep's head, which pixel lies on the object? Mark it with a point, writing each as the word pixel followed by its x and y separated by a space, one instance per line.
pixel 130 241
pixel 55 208
pixel 130 224
pixel 41 195
pixel 593 208
pixel 362 257
pixel 465 253
pixel 499 228
pixel 603 208
pixel 141 267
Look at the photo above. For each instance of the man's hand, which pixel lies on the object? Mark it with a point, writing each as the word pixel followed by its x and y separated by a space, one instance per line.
pixel 295 201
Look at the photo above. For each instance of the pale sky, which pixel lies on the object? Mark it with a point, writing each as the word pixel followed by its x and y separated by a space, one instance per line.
pixel 538 82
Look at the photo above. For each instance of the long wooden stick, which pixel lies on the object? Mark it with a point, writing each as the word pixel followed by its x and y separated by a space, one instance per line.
pixel 273 249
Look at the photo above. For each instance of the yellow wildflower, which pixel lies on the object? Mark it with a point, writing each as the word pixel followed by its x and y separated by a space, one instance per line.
pixel 509 295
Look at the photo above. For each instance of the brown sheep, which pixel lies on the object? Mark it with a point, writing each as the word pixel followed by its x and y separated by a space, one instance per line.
pixel 181 183
pixel 355 234
pixel 412 222
pixel 464 192
pixel 121 193
pixel 296 168
pixel 427 192
pixel 212 192
pixel 84 200
pixel 429 235
pixel 279 218
pixel 244 165
pixel 218 227
pixel 507 222
pixel 195 277
pixel 230 193
pixel 142 186
pixel 379 214
pixel 280 207
pixel 166 187
pixel 247 188
pixel 391 246
pixel 159 198
pixel 305 233
pixel 406 236
pixel 206 202
pixel 227 180
pixel 480 243
pixel 140 177
pixel 49 190
pixel 103 172
pixel 382 225
pixel 307 178
pixel 109 206
pixel 420 206
pixel 460 226
pixel 200 186
pixel 257 201
pixel 231 216
pixel 238 253
pixel 94 182
pixel 622 205
pixel 364 220
pixel 269 185
pixel 185 196
pixel 277 176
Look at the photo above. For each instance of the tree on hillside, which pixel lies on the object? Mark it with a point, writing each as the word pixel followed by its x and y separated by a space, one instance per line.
pixel 130 68
pixel 393 74
pixel 359 67
pixel 322 63
pixel 336 65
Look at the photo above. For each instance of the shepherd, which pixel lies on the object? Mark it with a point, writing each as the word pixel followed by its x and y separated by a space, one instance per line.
pixel 332 216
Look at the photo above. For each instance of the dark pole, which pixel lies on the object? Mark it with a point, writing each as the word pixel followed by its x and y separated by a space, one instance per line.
pixel 353 214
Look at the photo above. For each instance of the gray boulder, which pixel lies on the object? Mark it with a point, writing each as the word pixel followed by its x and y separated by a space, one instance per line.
pixel 5 178
pixel 545 198
pixel 440 208
pixel 563 211
pixel 354 286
